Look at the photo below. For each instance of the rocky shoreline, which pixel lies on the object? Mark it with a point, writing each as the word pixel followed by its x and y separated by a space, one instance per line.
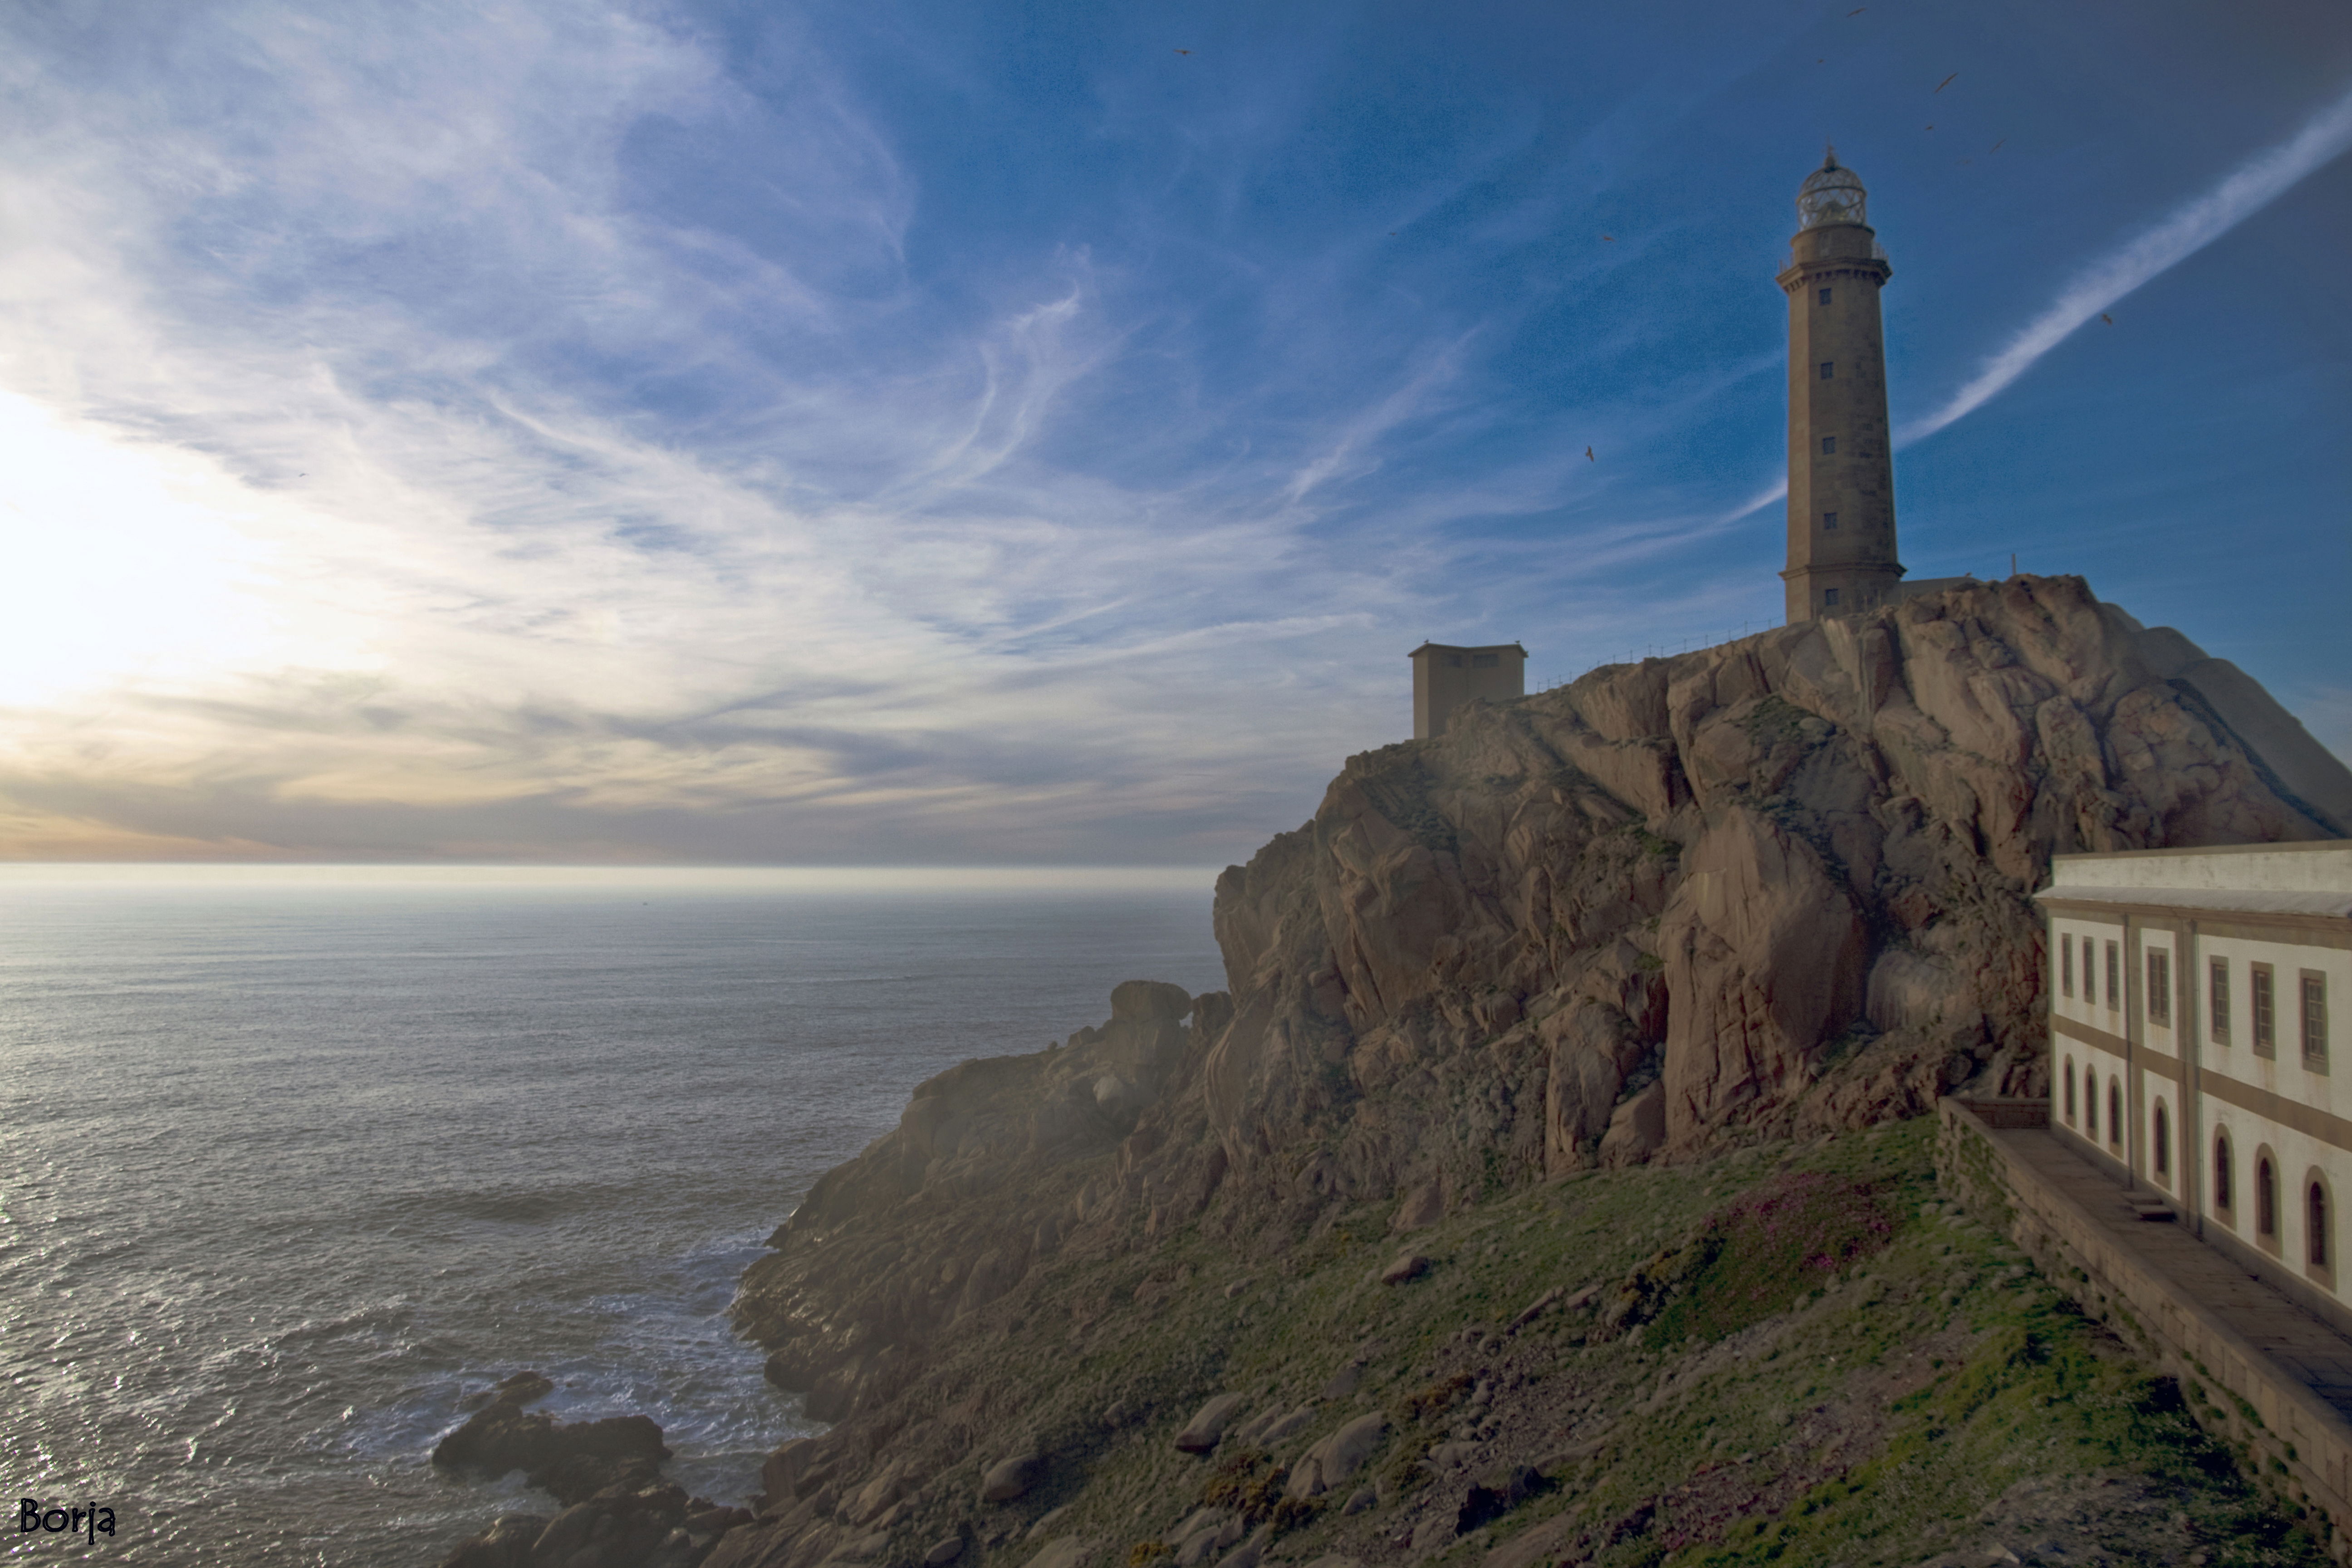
pixel 1438 1231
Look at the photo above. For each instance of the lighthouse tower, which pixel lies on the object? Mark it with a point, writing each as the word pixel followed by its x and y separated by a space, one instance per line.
pixel 1841 463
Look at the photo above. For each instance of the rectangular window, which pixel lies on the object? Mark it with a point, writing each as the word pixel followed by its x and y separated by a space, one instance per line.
pixel 2114 978
pixel 1829 446
pixel 2315 1016
pixel 2217 981
pixel 1826 367
pixel 2259 993
pixel 1486 661
pixel 1825 296
pixel 2067 965
pixel 1828 522
pixel 2159 987
pixel 1828 595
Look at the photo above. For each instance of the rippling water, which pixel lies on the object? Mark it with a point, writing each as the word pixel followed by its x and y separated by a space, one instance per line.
pixel 291 1170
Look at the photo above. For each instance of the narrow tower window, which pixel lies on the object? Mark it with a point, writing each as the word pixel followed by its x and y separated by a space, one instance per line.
pixel 2067 965
pixel 1829 520
pixel 1829 597
pixel 1825 296
pixel 2315 1220
pixel 2115 1112
pixel 2114 986
pixel 2266 1200
pixel 1827 366
pixel 2070 1092
pixel 1829 446
pixel 2159 987
pixel 2163 1145
pixel 2221 1175
pixel 2218 984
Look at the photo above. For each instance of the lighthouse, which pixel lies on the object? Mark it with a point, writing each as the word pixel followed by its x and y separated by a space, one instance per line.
pixel 1841 461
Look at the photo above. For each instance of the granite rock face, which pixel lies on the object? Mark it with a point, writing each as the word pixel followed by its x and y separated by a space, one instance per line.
pixel 1777 887
pixel 991 1163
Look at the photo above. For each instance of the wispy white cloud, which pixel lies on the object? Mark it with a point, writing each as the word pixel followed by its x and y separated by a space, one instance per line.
pixel 537 428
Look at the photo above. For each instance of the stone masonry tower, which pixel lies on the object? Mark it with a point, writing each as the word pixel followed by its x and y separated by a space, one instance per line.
pixel 1841 461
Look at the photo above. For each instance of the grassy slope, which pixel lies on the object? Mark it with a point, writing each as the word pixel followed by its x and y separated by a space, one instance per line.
pixel 1835 1368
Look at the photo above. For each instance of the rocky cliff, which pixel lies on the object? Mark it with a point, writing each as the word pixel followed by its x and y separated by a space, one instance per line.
pixel 1776 885
pixel 1663 921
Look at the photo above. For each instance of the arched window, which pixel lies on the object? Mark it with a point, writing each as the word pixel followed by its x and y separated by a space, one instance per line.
pixel 2265 1200
pixel 2090 1105
pixel 2163 1150
pixel 2315 1221
pixel 2114 1114
pixel 2070 1092
pixel 2222 1200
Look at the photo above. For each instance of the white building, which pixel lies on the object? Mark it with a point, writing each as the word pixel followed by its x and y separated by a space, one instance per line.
pixel 2192 1049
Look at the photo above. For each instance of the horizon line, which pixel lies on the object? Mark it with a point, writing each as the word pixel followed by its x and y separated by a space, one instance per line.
pixel 785 878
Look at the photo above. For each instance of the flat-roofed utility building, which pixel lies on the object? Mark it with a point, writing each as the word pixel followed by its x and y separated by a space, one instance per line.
pixel 2196 1044
pixel 1445 678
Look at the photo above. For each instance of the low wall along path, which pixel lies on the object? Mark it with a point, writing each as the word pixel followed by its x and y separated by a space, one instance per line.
pixel 2256 1369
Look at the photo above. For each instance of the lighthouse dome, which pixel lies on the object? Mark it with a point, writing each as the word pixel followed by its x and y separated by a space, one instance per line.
pixel 1831 193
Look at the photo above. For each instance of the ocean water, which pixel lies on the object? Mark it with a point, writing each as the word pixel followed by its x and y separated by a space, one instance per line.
pixel 287 1171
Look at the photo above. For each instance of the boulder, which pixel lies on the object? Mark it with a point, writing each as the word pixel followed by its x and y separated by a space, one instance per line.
pixel 1011 1478
pixel 1637 1128
pixel 1208 1425
pixel 571 1460
pixel 506 1544
pixel 943 1551
pixel 1535 1309
pixel 1323 1466
pixel 1404 1267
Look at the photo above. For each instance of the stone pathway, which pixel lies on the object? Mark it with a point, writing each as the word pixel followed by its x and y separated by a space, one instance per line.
pixel 2306 1348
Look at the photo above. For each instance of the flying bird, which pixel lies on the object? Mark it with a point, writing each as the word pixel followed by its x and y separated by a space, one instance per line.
pixel 1931 128
pixel 1945 82
pixel 1610 238
pixel 2000 144
pixel 1183 51
pixel 1588 456
pixel 2105 317
pixel 1857 11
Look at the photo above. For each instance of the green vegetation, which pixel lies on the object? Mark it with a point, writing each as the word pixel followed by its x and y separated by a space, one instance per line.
pixel 1826 1362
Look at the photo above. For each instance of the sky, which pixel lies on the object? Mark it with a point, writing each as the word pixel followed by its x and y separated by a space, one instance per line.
pixel 829 433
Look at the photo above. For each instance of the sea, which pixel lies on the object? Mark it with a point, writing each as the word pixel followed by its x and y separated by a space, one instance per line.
pixel 293 1163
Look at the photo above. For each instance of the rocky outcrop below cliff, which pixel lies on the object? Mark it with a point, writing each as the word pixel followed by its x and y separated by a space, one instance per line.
pixel 1672 916
pixel 619 1512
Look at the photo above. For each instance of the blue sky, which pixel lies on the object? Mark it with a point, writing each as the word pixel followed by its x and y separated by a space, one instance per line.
pixel 882 433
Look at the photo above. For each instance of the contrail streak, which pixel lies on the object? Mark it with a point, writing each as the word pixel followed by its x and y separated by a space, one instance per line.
pixel 2252 186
